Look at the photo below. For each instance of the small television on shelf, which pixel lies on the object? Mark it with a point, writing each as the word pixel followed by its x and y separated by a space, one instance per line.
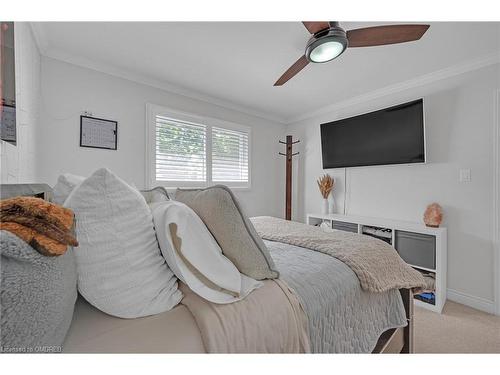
pixel 394 135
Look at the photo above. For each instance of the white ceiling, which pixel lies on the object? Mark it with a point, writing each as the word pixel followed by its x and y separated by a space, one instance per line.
pixel 238 62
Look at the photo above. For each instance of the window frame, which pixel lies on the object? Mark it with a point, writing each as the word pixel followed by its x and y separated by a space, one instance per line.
pixel 152 110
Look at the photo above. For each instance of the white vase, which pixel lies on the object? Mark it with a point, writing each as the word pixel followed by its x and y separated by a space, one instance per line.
pixel 324 208
pixel 331 205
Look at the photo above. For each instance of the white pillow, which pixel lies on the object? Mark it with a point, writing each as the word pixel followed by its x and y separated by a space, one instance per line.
pixel 195 257
pixel 64 186
pixel 120 268
pixel 67 182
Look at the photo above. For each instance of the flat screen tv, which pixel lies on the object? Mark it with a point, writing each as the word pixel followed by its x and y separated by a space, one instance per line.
pixel 393 135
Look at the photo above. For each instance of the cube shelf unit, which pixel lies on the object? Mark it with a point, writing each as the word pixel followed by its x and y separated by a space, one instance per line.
pixel 423 248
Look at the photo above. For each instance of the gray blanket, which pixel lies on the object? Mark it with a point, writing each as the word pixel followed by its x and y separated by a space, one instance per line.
pixel 342 317
pixel 377 264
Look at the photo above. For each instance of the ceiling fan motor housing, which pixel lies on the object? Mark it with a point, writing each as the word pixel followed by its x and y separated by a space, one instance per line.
pixel 333 35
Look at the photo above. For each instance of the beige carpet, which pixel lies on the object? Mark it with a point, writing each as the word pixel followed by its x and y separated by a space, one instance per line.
pixel 459 329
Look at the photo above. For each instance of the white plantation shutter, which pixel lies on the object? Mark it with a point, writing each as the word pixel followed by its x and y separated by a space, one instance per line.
pixel 180 151
pixel 229 155
pixel 187 150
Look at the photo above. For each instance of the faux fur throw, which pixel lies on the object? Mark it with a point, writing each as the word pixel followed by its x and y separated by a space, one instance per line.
pixel 43 225
pixel 377 265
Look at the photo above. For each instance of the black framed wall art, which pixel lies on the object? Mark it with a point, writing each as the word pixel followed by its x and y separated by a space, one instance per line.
pixel 98 133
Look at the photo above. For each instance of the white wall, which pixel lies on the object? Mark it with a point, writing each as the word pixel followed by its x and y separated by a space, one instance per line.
pixel 460 124
pixel 68 90
pixel 18 162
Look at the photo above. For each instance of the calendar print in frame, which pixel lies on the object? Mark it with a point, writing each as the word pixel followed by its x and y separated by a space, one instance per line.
pixel 98 133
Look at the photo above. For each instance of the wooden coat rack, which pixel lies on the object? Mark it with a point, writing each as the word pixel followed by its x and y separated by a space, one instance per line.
pixel 289 154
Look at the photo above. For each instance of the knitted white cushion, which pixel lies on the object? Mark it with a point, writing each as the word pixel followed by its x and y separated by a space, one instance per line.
pixel 120 267
pixel 64 186
pixel 67 182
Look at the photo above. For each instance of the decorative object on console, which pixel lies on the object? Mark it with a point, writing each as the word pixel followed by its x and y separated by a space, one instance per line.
pixel 433 215
pixel 331 204
pixel 325 185
pixel 289 154
pixel 324 207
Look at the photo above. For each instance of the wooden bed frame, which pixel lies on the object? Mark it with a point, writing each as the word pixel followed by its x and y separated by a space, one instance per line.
pixel 392 341
pixel 399 340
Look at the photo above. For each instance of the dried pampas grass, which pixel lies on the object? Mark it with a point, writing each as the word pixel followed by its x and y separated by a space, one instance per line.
pixel 325 184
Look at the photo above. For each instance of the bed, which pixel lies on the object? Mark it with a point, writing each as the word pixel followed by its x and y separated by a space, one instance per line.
pixel 385 327
pixel 341 317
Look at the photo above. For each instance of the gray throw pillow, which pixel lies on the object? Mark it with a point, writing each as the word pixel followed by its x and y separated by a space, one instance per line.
pixel 155 195
pixel 219 209
pixel 38 295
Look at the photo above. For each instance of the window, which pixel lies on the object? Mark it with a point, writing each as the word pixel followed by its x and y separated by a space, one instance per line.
pixel 180 151
pixel 190 151
pixel 229 155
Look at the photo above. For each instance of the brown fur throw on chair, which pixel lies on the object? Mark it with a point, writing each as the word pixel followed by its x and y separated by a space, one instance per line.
pixel 45 226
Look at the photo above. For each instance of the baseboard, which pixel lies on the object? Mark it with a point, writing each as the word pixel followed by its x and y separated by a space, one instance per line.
pixel 478 303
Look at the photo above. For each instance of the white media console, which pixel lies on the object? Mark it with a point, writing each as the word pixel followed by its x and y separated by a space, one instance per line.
pixel 422 247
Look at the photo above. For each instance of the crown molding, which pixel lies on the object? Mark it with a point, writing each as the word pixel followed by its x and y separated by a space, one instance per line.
pixel 155 83
pixel 449 72
pixel 47 51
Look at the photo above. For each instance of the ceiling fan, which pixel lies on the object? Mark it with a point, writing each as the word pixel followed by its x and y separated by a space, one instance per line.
pixel 329 41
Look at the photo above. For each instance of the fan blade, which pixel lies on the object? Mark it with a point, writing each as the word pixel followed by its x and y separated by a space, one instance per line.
pixel 381 35
pixel 292 71
pixel 314 27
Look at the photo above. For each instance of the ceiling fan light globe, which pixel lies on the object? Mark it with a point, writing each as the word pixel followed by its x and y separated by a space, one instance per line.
pixel 326 51
pixel 326 45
